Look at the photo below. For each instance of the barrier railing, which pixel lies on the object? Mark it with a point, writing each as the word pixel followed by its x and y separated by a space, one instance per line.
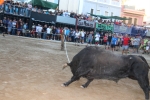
pixel 16 10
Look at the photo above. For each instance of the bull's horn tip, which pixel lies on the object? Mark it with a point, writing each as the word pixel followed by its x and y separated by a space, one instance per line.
pixel 62 85
pixel 82 86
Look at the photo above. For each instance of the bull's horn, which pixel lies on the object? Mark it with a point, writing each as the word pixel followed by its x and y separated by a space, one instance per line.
pixel 64 66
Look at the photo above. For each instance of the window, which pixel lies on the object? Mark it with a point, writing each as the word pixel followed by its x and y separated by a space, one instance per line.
pixel 112 13
pixel 106 13
pixel 92 10
pixel 98 12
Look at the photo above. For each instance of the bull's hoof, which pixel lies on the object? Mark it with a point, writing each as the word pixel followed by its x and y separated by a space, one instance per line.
pixel 64 85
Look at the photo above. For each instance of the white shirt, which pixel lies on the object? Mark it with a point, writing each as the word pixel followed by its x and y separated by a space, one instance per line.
pixel 97 36
pixel 82 33
pixel 14 24
pixel 48 30
pixel 39 29
pixel 77 35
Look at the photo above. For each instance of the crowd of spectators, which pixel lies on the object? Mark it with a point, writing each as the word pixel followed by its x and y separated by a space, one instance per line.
pixel 24 9
pixel 50 32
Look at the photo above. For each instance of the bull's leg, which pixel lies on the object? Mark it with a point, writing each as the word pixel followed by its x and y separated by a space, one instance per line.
pixel 74 78
pixel 87 83
pixel 144 84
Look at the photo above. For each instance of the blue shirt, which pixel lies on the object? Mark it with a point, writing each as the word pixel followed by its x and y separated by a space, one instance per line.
pixel 67 32
pixel 10 24
pixel 114 40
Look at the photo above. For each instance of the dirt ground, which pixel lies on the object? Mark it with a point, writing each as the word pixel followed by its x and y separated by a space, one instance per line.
pixel 31 69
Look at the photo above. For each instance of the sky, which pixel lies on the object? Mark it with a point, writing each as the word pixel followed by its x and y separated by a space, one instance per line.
pixel 140 4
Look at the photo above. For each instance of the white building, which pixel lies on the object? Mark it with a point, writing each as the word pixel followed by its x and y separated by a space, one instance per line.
pixel 99 7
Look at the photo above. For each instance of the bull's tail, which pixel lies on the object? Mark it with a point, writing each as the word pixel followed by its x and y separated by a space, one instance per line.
pixel 65 65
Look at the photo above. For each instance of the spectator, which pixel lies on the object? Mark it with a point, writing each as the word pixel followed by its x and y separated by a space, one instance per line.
pixel 136 44
pixel 24 29
pixel 54 32
pixel 34 9
pixel 19 27
pixel 90 38
pixel 125 46
pixel 73 35
pixel 45 32
pixel 77 38
pixel 58 33
pixel 39 30
pixel 67 34
pixel 10 25
pixel 48 32
pixel 1 27
pixel 82 36
pixel 5 23
pixel 114 42
pixel 109 40
pixel 14 23
pixel 105 39
pixel 97 37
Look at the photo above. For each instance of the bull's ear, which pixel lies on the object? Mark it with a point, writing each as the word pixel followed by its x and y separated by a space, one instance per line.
pixel 130 58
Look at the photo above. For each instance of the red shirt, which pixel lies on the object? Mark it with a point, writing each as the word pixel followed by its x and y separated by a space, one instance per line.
pixel 126 41
pixel 105 38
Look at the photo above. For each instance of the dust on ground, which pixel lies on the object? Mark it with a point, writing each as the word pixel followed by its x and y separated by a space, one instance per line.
pixel 31 69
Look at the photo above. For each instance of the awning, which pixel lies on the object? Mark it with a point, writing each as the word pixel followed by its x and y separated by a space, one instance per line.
pixel 119 18
pixel 101 16
pixel 44 4
pixel 110 17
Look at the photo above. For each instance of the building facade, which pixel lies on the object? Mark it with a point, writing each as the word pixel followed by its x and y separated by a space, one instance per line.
pixel 99 7
pixel 136 16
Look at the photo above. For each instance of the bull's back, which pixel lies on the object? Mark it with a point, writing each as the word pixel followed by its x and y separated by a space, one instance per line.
pixel 103 64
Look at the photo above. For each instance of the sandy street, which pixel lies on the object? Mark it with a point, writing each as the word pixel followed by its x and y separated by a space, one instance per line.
pixel 31 69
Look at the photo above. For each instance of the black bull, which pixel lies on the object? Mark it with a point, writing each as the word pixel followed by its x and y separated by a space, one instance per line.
pixel 97 63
